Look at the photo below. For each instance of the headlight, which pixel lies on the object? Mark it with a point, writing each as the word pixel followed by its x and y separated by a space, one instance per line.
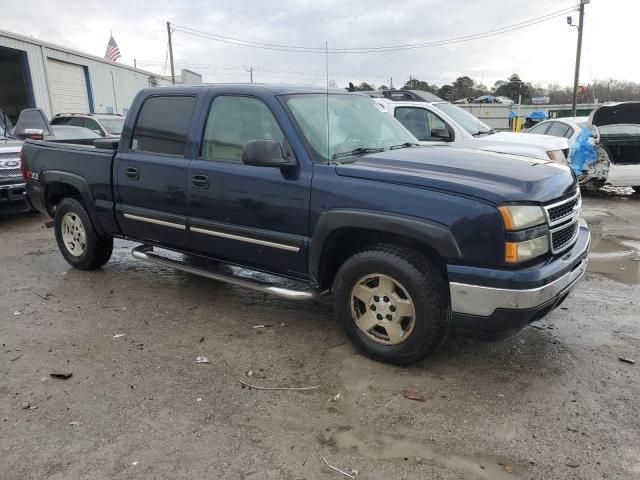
pixel 557 156
pixel 517 217
pixel 518 252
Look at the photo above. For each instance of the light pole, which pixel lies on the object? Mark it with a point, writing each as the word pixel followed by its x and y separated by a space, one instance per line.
pixel 576 78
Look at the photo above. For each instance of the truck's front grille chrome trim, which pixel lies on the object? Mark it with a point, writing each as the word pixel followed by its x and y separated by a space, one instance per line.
pixel 564 210
pixel 131 216
pixel 216 233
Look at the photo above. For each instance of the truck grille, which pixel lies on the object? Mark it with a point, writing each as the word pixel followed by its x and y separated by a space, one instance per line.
pixel 563 236
pixel 9 155
pixel 563 218
pixel 9 172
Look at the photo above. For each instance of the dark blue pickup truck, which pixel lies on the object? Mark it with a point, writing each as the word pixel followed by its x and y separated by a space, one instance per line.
pixel 322 191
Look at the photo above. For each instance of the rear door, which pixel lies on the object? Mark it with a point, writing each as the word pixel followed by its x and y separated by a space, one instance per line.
pixel 255 216
pixel 151 175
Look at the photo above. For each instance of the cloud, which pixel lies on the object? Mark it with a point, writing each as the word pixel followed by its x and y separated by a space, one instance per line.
pixel 543 53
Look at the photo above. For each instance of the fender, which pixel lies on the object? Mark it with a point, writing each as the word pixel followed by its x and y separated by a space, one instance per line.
pixel 79 184
pixel 437 236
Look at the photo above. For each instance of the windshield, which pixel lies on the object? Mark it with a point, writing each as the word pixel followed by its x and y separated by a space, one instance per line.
pixel 356 125
pixel 113 125
pixel 467 121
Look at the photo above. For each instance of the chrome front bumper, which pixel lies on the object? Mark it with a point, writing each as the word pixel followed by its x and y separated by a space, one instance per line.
pixel 483 301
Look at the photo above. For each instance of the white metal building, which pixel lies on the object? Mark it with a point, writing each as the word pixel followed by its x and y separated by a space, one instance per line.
pixel 56 79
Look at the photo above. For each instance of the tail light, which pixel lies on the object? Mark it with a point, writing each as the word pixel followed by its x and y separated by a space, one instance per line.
pixel 26 174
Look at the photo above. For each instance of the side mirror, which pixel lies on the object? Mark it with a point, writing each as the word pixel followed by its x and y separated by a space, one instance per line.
pixel 264 153
pixel 441 134
pixel 34 134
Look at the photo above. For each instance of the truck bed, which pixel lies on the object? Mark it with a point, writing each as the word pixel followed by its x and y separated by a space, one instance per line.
pixel 85 167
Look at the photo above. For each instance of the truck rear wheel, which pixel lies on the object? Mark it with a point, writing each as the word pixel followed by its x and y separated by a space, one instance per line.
pixel 392 303
pixel 78 242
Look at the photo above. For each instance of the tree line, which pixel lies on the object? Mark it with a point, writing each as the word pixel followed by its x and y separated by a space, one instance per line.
pixel 608 90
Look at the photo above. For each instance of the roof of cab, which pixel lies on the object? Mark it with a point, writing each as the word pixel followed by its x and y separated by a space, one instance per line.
pixel 246 88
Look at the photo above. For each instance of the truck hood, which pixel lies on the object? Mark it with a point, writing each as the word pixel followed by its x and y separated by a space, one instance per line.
pixel 488 176
pixel 530 144
pixel 9 145
pixel 616 114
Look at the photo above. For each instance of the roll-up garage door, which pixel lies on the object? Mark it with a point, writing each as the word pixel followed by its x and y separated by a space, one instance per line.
pixel 68 87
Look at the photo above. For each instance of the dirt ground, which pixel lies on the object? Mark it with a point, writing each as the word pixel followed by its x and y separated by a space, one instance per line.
pixel 552 402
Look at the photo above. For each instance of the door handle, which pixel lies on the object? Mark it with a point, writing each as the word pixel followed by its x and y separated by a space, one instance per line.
pixel 133 173
pixel 200 181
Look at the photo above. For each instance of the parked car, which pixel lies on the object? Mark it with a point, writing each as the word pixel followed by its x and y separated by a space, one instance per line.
pixel 616 130
pixel 414 242
pixel 104 124
pixel 504 100
pixel 33 123
pixel 486 99
pixel 12 185
pixel 435 121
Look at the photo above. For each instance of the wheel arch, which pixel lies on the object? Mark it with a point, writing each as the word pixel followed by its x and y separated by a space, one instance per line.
pixel 59 185
pixel 339 234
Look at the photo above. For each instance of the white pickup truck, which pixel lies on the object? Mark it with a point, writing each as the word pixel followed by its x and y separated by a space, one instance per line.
pixel 433 120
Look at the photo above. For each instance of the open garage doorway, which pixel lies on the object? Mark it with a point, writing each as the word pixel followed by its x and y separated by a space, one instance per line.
pixel 16 92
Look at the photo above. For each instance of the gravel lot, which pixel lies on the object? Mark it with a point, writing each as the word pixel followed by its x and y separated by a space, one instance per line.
pixel 553 402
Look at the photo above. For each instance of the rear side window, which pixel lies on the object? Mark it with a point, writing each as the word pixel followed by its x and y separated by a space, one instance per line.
pixel 558 129
pixel 232 123
pixel 163 124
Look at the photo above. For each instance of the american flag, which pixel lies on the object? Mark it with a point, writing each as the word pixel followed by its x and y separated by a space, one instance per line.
pixel 113 52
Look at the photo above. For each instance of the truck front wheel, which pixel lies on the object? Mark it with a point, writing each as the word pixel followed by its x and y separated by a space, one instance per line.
pixel 392 303
pixel 78 242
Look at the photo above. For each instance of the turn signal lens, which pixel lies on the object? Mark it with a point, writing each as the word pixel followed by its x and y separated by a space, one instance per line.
pixel 518 252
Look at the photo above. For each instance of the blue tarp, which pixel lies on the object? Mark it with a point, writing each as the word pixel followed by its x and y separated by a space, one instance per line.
pixel 537 116
pixel 582 153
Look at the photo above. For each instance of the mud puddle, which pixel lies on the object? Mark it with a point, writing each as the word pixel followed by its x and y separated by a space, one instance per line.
pixel 617 258
pixel 381 446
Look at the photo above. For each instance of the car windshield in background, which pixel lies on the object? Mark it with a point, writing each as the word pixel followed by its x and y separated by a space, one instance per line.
pixel 112 125
pixel 356 125
pixel 470 123
pixel 66 132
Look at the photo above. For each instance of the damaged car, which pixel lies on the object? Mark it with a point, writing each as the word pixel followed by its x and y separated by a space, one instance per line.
pixel 605 147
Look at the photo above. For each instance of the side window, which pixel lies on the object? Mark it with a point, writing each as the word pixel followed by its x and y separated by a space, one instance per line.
pixel 558 129
pixel 92 125
pixel 540 129
pixel 569 133
pixel 232 123
pixel 420 122
pixel 162 125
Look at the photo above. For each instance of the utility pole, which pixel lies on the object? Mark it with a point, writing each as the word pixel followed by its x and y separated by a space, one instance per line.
pixel 251 74
pixel 576 78
pixel 173 72
pixel 135 64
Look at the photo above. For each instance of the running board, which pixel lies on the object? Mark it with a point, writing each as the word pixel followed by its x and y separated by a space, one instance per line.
pixel 145 253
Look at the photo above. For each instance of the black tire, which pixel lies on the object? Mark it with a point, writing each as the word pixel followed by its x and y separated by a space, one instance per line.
pixel 637 189
pixel 97 249
pixel 426 287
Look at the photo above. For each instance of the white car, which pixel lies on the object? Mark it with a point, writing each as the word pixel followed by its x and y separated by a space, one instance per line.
pixel 616 129
pixel 435 121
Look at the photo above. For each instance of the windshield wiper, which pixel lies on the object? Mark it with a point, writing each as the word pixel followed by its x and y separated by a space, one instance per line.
pixel 404 145
pixel 356 151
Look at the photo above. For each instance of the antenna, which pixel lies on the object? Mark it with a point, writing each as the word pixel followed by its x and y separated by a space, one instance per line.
pixel 326 58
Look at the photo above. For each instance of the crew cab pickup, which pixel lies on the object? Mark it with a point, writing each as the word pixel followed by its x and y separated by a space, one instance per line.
pixel 319 191
pixel 434 120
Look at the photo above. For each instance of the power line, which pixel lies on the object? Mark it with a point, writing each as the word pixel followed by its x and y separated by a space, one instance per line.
pixel 390 48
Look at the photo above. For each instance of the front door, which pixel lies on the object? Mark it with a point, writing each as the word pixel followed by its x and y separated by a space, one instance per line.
pixel 254 216
pixel 151 177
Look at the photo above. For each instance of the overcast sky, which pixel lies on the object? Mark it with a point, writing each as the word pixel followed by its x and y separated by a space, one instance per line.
pixel 542 53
